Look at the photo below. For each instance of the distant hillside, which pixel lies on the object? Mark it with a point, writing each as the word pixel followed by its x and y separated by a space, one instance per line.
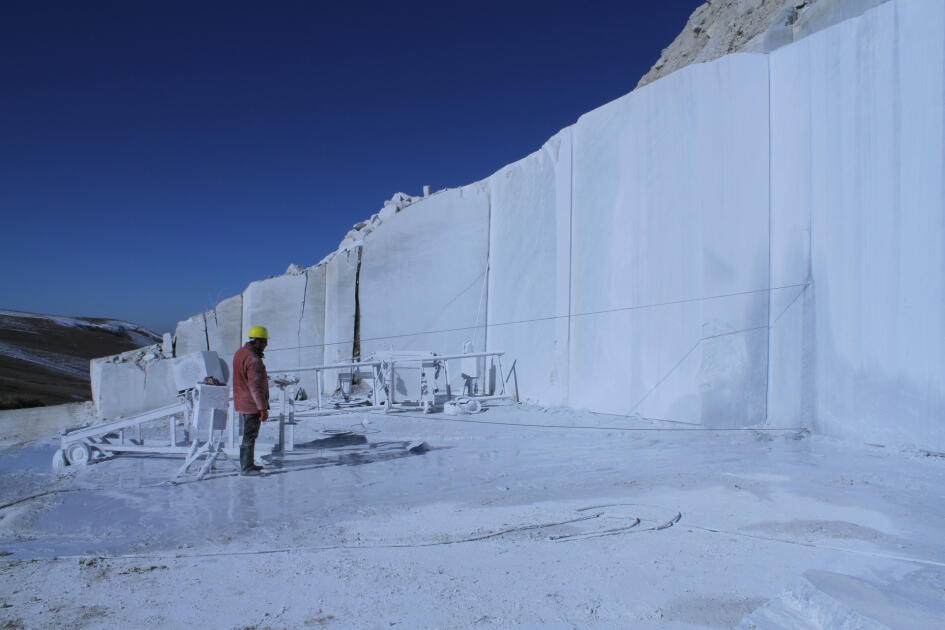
pixel 44 359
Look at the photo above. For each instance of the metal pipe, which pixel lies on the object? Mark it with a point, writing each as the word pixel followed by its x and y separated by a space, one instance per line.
pixel 403 359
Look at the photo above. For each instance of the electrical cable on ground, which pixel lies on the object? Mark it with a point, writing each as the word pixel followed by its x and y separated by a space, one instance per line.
pixel 316 548
pixel 439 543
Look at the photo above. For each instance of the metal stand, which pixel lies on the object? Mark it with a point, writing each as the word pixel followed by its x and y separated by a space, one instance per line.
pixel 210 409
pixel 430 367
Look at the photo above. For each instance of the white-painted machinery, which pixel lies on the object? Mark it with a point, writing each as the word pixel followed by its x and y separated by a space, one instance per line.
pixel 203 427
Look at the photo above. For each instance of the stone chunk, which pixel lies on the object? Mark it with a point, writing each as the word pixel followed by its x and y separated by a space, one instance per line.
pixel 277 304
pixel 193 368
pixel 224 326
pixel 131 383
pixel 126 388
pixel 191 335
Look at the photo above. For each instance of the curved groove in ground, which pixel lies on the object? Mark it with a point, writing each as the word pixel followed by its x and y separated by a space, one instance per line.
pixel 606 532
pixel 620 530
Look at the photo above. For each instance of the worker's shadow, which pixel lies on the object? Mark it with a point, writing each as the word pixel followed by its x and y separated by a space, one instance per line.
pixel 335 441
pixel 346 449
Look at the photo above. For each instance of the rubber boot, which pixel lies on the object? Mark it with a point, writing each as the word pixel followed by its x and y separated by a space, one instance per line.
pixel 252 458
pixel 246 462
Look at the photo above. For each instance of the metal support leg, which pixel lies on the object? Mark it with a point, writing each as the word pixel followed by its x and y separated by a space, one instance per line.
pixel 390 386
pixel 281 446
pixel 501 374
pixel 376 372
pixel 290 434
pixel 231 427
pixel 449 388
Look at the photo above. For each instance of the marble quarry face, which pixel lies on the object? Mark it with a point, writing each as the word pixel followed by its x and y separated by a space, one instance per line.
pixel 754 240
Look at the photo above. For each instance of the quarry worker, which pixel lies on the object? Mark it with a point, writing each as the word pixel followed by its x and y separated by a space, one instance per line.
pixel 251 395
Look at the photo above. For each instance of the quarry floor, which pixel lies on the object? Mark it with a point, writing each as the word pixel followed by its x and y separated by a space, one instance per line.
pixel 515 517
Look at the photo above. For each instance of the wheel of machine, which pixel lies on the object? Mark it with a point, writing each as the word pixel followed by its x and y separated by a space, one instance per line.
pixel 78 454
pixel 59 460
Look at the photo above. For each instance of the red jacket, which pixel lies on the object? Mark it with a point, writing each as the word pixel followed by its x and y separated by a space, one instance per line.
pixel 250 381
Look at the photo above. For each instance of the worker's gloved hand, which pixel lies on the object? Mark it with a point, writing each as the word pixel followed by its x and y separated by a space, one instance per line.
pixel 263 415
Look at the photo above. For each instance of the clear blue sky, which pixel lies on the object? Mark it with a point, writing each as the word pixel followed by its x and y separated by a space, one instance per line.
pixel 156 157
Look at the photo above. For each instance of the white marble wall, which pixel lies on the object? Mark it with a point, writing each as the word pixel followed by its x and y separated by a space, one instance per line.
pixel 791 364
pixel 424 276
pixel 858 126
pixel 529 269
pixel 670 248
pixel 312 326
pixel 277 303
pixel 340 281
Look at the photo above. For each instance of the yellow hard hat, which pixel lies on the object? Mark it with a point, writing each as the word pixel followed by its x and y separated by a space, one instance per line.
pixel 258 332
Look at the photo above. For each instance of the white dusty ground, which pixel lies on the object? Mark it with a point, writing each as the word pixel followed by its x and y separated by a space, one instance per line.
pixel 513 517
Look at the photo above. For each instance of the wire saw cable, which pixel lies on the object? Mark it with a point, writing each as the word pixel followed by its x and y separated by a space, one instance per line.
pixel 618 309
pixel 803 287
pixel 442 418
pixel 801 543
pixel 706 338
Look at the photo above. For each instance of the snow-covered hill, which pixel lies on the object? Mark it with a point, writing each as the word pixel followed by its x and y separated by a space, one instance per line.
pixel 44 359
